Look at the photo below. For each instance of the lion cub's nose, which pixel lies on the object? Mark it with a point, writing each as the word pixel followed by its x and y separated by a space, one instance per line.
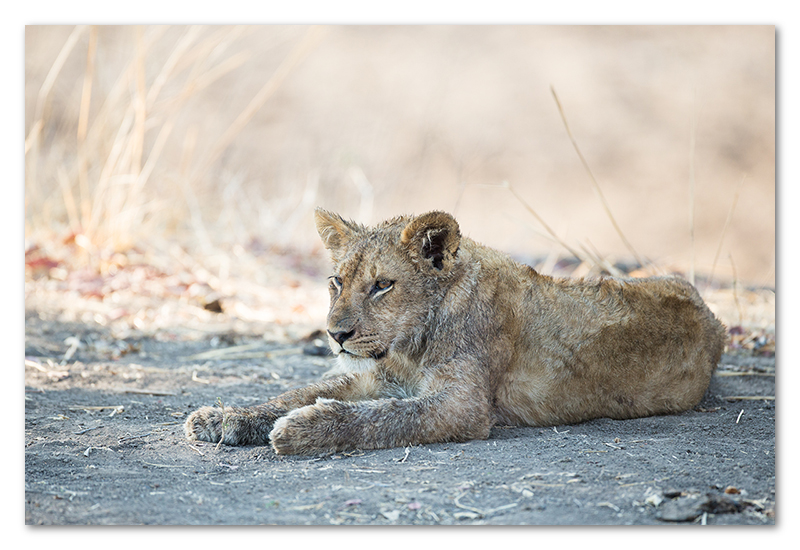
pixel 340 337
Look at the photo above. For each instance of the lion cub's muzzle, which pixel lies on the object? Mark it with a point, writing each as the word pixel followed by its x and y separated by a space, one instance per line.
pixel 336 341
pixel 340 337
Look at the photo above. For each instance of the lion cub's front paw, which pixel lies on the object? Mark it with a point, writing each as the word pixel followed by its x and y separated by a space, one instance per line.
pixel 283 435
pixel 299 433
pixel 204 424
pixel 311 429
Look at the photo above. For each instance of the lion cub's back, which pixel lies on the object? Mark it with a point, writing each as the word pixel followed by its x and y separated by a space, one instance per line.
pixel 618 348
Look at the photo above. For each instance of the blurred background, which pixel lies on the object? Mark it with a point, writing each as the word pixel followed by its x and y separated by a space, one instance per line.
pixel 209 147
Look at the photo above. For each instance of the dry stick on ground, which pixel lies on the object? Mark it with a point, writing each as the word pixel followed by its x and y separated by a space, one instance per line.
pixel 149 392
pixel 749 398
pixel 594 182
pixel 222 425
pixel 744 373
pixel 725 227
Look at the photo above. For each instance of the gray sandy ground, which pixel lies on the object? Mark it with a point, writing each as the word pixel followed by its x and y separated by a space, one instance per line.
pixel 104 444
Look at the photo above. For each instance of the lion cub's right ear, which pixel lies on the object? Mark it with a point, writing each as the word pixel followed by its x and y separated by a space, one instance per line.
pixel 333 230
pixel 432 240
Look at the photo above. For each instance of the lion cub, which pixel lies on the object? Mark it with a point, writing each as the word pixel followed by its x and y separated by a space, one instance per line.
pixel 439 338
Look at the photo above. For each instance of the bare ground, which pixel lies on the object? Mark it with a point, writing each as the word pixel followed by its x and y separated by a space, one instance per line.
pixel 104 444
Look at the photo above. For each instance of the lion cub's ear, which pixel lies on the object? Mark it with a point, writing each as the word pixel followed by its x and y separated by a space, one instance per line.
pixel 432 239
pixel 334 231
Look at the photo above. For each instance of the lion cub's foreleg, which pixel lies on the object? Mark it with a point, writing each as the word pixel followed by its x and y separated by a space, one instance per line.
pixel 252 425
pixel 329 425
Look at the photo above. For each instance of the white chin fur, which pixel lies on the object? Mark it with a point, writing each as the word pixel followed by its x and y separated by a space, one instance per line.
pixel 346 363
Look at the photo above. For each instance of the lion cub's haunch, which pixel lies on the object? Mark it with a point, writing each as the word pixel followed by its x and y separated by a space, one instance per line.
pixel 439 338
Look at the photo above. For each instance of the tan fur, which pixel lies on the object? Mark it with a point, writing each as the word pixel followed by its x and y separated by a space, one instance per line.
pixel 440 338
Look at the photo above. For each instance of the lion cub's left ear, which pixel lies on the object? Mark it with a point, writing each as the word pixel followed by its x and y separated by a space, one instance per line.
pixel 432 239
pixel 334 230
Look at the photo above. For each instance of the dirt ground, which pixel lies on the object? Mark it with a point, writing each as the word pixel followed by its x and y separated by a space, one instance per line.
pixel 104 444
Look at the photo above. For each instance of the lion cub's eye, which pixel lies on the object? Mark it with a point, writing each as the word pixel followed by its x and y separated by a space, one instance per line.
pixel 382 286
pixel 336 282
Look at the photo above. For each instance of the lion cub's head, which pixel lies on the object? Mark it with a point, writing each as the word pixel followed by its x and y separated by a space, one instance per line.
pixel 385 281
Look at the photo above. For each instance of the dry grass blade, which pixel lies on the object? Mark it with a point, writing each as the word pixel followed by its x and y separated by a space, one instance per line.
pixel 126 165
pixel 600 261
pixel 32 141
pixel 735 291
pixel 83 126
pixel 594 182
pixel 585 257
pixel 47 86
pixel 529 208
pixel 309 41
pixel 725 227
pixel 692 149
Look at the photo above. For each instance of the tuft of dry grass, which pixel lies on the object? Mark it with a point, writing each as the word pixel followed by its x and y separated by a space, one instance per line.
pixel 120 180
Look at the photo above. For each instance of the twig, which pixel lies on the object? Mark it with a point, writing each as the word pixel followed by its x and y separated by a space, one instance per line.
pixel 608 505
pixel 165 465
pixel 222 424
pixel 482 513
pixel 87 430
pixel 744 373
pixel 499 508
pixel 149 392
pixel 196 449
pixel 740 416
pixel 121 439
pixel 471 509
pixel 74 343
pixel 594 181
pixel 96 407
pixel 749 398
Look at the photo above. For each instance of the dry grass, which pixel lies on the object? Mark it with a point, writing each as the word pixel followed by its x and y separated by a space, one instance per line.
pixel 133 146
pixel 123 178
